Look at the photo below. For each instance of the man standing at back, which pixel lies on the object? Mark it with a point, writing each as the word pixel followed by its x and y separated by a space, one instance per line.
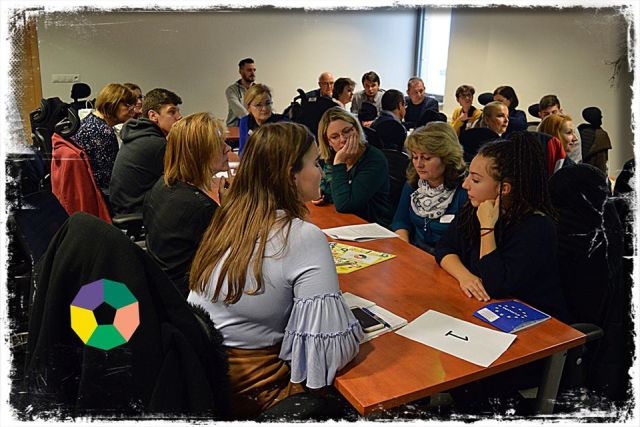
pixel 417 102
pixel 140 161
pixel 235 92
pixel 550 104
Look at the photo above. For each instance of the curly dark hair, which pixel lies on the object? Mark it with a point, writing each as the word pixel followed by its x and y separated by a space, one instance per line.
pixel 520 161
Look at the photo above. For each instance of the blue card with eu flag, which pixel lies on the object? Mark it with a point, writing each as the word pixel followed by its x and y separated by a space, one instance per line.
pixel 510 316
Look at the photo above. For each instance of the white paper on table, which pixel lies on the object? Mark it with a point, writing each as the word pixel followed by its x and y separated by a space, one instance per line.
pixel 356 301
pixel 473 343
pixel 359 232
pixel 393 320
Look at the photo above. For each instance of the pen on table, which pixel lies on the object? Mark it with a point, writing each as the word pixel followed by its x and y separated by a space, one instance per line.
pixel 375 316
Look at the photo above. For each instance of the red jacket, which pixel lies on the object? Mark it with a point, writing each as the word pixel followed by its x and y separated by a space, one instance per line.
pixel 72 180
pixel 555 153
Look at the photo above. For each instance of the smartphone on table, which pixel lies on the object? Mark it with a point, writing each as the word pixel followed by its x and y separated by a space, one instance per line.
pixel 368 322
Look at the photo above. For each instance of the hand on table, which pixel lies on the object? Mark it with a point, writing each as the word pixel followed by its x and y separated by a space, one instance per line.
pixel 472 286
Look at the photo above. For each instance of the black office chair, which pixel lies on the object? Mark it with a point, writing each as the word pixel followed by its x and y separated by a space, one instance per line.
pixel 309 111
pixel 34 216
pixel 368 112
pixel 590 255
pixel 168 366
pixel 43 121
pixel 80 93
pixel 372 137
pixel 474 138
pixel 398 162
pixel 485 98
pixel 392 134
pixel 429 116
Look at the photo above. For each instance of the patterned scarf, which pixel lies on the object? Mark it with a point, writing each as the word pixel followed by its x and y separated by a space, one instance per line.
pixel 430 202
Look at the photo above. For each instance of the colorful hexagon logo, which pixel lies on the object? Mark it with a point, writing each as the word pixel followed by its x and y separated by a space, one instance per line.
pixel 104 314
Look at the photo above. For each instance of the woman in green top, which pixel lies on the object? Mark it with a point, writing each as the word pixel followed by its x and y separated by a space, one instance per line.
pixel 356 174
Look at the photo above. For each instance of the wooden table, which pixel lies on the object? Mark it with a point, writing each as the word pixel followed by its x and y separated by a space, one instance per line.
pixel 232 136
pixel 391 370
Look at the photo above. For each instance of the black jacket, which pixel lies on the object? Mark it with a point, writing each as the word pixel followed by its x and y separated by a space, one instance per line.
pixel 523 266
pixel 139 164
pixel 173 235
pixel 592 269
pixel 171 364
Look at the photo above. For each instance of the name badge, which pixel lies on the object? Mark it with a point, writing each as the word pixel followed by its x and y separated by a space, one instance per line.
pixel 446 219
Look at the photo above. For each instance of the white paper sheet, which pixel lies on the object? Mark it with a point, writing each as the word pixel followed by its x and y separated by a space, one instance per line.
pixel 473 343
pixel 356 301
pixel 394 321
pixel 359 232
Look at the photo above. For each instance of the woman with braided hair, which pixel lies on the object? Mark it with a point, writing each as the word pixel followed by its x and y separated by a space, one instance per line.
pixel 503 242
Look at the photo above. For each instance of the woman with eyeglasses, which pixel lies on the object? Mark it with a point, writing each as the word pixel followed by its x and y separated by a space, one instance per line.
pixel 137 91
pixel 433 194
pixel 179 207
pixel 96 136
pixel 561 126
pixel 465 115
pixel 259 104
pixel 356 174
pixel 343 91
pixel 267 279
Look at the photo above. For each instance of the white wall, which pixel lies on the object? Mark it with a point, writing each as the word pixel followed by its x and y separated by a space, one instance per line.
pixel 542 51
pixel 537 51
pixel 196 54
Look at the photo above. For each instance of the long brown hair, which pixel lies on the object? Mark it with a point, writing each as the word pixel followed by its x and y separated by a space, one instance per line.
pixel 242 225
pixel 193 144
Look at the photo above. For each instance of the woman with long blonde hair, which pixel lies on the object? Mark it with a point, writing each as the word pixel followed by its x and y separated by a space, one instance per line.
pixel 179 207
pixel 267 278
pixel 356 173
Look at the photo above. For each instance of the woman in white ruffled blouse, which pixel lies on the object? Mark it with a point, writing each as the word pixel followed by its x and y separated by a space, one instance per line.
pixel 433 194
pixel 267 278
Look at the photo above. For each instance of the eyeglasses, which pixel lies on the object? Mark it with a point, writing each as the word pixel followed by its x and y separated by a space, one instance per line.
pixel 326 83
pixel 466 95
pixel 343 133
pixel 265 105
